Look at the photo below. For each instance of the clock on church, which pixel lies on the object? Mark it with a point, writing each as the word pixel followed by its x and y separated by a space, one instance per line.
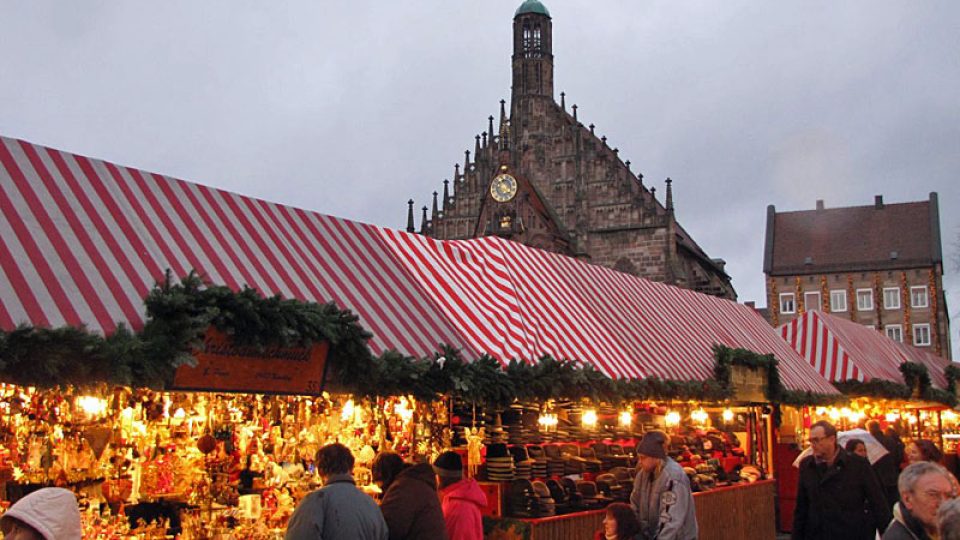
pixel 503 188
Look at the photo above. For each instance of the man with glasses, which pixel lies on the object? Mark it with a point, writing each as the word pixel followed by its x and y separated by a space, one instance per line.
pixel 838 496
pixel 923 486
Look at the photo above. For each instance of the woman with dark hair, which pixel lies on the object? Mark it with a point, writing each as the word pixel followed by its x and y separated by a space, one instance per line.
pixel 385 468
pixel 410 504
pixel 924 450
pixel 619 523
pixel 856 446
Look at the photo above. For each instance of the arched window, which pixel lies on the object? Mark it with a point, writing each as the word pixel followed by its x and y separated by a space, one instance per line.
pixel 532 41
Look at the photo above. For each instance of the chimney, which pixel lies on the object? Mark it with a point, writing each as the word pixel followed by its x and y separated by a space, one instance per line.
pixel 819 204
pixel 878 202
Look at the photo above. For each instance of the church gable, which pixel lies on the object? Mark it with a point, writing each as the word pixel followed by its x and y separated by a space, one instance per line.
pixel 575 194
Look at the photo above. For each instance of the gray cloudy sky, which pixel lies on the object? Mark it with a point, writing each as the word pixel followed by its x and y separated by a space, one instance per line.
pixel 350 108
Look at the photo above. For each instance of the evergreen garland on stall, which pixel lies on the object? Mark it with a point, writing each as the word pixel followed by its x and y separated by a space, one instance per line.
pixel 180 312
pixel 178 315
pixel 917 382
pixel 952 373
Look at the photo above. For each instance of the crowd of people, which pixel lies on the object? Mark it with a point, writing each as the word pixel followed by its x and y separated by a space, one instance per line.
pixel 841 495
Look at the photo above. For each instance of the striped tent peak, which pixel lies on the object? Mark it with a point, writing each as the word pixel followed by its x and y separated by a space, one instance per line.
pixel 818 336
pixel 82 241
pixel 624 325
pixel 821 348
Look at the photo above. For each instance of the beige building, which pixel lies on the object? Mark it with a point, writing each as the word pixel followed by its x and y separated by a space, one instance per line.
pixel 539 176
pixel 879 265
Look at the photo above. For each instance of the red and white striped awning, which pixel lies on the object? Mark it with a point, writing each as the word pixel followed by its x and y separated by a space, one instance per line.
pixel 840 349
pixel 519 302
pixel 82 241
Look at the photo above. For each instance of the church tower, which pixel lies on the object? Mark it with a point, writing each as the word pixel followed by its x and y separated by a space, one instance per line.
pixel 540 177
pixel 532 52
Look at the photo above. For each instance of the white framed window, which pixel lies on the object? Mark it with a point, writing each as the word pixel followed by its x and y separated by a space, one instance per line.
pixel 891 298
pixel 864 299
pixel 838 300
pixel 788 303
pixel 921 335
pixel 811 301
pixel 918 297
pixel 894 332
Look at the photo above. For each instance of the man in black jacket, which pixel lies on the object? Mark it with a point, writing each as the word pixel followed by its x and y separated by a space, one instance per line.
pixel 838 496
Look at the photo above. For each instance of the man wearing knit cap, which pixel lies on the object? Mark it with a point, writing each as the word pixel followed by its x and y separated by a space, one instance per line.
pixel 45 514
pixel 661 493
pixel 462 499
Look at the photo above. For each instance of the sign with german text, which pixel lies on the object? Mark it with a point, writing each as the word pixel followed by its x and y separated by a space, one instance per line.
pixel 224 366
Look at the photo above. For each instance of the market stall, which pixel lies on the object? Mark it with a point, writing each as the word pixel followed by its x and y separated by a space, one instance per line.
pixel 903 387
pixel 114 275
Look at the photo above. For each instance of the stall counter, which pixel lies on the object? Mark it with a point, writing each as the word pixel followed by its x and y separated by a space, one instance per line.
pixel 726 513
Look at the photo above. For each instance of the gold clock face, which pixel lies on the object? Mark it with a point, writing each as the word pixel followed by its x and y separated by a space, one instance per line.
pixel 503 187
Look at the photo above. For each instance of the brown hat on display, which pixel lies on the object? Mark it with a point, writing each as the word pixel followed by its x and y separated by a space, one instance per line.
pixel 652 444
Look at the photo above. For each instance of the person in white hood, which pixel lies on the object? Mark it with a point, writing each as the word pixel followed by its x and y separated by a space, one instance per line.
pixel 45 514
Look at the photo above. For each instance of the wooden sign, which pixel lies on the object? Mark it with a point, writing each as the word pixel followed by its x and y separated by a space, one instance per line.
pixel 749 383
pixel 224 366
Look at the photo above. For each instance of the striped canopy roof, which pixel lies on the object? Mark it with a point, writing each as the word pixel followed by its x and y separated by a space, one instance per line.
pixel 840 349
pixel 82 241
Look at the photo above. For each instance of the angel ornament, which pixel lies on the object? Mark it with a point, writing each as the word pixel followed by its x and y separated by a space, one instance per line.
pixel 474 444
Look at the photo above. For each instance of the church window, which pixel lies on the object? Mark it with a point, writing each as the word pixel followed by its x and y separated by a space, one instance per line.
pixel 531 41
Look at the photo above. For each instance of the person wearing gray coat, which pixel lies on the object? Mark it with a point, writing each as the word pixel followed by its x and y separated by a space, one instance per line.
pixel 661 494
pixel 338 510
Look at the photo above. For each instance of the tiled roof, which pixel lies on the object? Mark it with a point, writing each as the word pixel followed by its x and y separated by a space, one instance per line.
pixel 876 237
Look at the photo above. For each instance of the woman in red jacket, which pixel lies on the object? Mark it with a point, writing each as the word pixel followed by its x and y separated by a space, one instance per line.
pixel 462 498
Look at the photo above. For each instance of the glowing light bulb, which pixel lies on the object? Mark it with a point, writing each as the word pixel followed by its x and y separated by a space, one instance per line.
pixel 949 416
pixel 626 419
pixel 834 414
pixel 589 418
pixel 699 416
pixel 892 417
pixel 547 420
pixel 672 418
pixel 727 415
pixel 347 412
pixel 92 405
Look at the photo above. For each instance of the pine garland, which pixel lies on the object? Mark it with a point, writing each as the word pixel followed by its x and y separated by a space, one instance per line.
pixel 916 379
pixel 179 313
